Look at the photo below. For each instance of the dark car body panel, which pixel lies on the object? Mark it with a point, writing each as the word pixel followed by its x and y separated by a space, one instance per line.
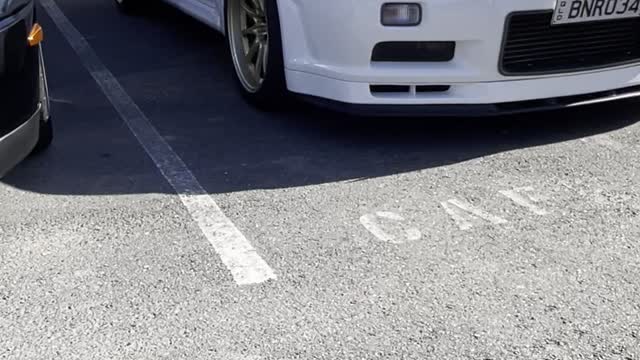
pixel 19 66
pixel 10 7
pixel 23 91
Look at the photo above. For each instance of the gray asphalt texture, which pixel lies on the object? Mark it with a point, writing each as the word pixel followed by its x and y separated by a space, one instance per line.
pixel 99 259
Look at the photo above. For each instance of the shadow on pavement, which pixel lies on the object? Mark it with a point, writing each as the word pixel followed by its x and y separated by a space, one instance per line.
pixel 190 98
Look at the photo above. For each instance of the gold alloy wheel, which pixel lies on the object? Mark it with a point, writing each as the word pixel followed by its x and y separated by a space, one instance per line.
pixel 249 41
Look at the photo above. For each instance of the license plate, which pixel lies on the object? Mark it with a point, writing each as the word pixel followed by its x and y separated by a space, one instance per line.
pixel 574 11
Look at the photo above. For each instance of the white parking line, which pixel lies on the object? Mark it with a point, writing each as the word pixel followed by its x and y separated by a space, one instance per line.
pixel 235 251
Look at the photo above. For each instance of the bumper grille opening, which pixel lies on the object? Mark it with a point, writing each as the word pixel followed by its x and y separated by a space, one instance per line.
pixel 414 51
pixel 382 89
pixel 432 88
pixel 406 91
pixel 533 46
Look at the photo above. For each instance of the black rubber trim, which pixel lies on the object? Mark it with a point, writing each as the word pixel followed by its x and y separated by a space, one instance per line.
pixel 473 110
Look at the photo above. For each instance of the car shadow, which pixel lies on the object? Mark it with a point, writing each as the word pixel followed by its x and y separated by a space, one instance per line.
pixel 189 95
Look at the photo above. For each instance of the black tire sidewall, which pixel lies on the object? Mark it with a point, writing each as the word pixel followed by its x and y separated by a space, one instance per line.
pixel 46 136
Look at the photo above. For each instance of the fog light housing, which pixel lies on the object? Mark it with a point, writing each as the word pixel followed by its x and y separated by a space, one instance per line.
pixel 401 14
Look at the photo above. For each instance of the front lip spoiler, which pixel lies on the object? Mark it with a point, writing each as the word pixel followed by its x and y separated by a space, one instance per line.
pixel 16 145
pixel 473 110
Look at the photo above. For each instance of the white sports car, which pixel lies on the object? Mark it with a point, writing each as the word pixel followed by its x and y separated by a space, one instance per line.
pixel 442 57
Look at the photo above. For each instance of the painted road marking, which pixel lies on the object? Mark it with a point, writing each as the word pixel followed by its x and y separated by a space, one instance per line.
pixel 523 197
pixel 605 140
pixel 372 224
pixel 461 212
pixel 235 251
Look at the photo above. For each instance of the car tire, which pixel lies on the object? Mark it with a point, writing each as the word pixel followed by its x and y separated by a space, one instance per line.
pixel 130 7
pixel 46 136
pixel 267 90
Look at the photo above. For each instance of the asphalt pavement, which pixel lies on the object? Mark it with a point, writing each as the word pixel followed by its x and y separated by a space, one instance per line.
pixel 501 238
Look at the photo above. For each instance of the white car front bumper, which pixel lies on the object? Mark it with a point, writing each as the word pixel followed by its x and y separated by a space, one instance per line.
pixel 328 48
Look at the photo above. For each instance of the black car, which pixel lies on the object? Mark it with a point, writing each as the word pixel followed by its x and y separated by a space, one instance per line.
pixel 25 124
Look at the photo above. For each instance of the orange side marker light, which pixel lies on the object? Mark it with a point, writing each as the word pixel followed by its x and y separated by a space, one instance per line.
pixel 36 36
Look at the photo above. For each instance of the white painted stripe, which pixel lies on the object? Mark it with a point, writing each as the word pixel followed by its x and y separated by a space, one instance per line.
pixel 471 210
pixel 370 222
pixel 235 251
pixel 462 223
pixel 527 201
pixel 606 141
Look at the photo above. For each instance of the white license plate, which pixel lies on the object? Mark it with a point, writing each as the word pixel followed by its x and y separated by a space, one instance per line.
pixel 573 11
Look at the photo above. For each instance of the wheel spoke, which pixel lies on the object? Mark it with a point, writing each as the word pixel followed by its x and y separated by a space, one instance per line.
pixel 259 61
pixel 257 4
pixel 253 50
pixel 265 57
pixel 251 11
pixel 256 29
